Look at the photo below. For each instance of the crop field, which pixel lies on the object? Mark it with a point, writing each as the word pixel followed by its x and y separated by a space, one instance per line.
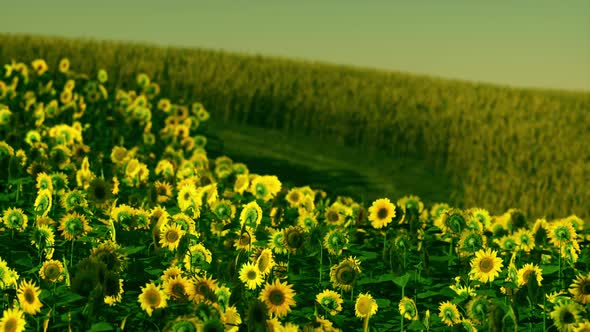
pixel 115 216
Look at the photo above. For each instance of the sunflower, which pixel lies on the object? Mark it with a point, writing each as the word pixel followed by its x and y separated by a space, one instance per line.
pixel 265 187
pixel 471 241
pixel 485 266
pixel 449 314
pixel 170 236
pixel 561 232
pixel 580 289
pixel 365 306
pixel 506 243
pixel 330 301
pixel 44 182
pixel 251 276
pixel 582 327
pixel 152 297
pixel 74 199
pixel 278 297
pixel 64 65
pixel 52 271
pixel 306 220
pixel 218 228
pixel 411 203
pixel 566 315
pixel 231 318
pixel 197 257
pixel 188 198
pixel 251 215
pixel 524 239
pixel 265 261
pixel 171 272
pixel 13 320
pixel 245 239
pixel 525 273
pixel 15 219
pixel 224 210
pixel 345 274
pixel 335 215
pixel 242 183
pixel 99 192
pixel 223 294
pixel 73 226
pixel 111 254
pixel 452 222
pixel 276 242
pixel 381 213
pixel 335 241
pixel 294 197
pixel 40 66
pixel 203 289
pixel 407 308
pixel 185 222
pixel 113 291
pixel 178 288
pixel 478 308
pixel 28 297
pixel 293 238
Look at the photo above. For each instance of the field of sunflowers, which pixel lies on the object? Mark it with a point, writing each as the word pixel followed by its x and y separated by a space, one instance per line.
pixel 114 218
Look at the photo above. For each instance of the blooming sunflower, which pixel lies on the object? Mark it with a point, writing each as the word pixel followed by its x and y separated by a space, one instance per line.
pixel 365 306
pixel 203 288
pixel 170 235
pixel 265 261
pixel 345 274
pixel 524 239
pixel 13 320
pixel 52 271
pixel 561 232
pixel 449 314
pixel 381 213
pixel 231 318
pixel 580 289
pixel 251 276
pixel 73 226
pixel 276 242
pixel 246 239
pixel 28 297
pixel 485 266
pixel 251 215
pixel 335 241
pixel 330 301
pixel 40 66
pixel 196 258
pixel 407 308
pixel 171 272
pixel 278 297
pixel 525 273
pixel 178 288
pixel 15 219
pixel 242 183
pixel 265 187
pixel 293 238
pixel 152 297
pixel 566 315
pixel 306 220
pixel 64 65
pixel 294 197
pixel 334 214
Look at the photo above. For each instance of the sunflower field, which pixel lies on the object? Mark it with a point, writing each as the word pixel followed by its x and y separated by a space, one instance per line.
pixel 114 218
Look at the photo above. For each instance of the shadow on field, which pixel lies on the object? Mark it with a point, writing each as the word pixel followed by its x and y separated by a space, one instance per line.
pixel 302 160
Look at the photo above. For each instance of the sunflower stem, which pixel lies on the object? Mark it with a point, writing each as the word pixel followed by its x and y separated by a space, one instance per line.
pixel 321 260
pixel 72 254
pixel 366 324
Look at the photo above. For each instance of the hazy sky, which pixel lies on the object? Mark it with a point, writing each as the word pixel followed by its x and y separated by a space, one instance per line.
pixel 539 43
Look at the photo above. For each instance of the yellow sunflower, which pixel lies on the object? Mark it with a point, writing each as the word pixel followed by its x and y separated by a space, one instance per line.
pixel 566 315
pixel 231 318
pixel 152 297
pixel 251 276
pixel 251 215
pixel 246 239
pixel 242 183
pixel 203 288
pixel 197 257
pixel 171 272
pixel 52 271
pixel 449 314
pixel 365 306
pixel 278 297
pixel 13 320
pixel 265 261
pixel 294 197
pixel 580 289
pixel 276 242
pixel 345 274
pixel 178 288
pixel 117 294
pixel 582 327
pixel 15 219
pixel 526 272
pixel 407 308
pixel 524 239
pixel 170 235
pixel 73 226
pixel 64 65
pixel 561 232
pixel 40 66
pixel 28 297
pixel 334 215
pixel 330 301
pixel 485 266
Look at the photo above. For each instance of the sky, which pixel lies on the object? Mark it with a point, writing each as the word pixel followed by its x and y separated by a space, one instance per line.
pixel 527 43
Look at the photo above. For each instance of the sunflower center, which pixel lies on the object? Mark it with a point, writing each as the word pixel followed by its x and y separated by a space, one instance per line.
pixel 251 275
pixel 294 240
pixel 364 307
pixel 263 263
pixel 172 236
pixel 346 276
pixel 568 317
pixel 276 297
pixel 29 296
pixel 186 196
pixel 585 288
pixel 178 289
pixel 10 325
pixel 332 216
pixel 382 213
pixel 295 197
pixel 245 239
pixel 52 271
pixel 486 265
pixel 153 298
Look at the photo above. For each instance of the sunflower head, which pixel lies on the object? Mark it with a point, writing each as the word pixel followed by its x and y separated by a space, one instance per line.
pixel 449 313
pixel 485 266
pixel 152 297
pixel 28 297
pixel 580 289
pixel 293 238
pixel 73 226
pixel 345 274
pixel 566 315
pixel 15 218
pixel 265 261
pixel 111 254
pixel 251 215
pixel 278 297
pixel 13 320
pixel 478 309
pixel 407 308
pixel 365 306
pixel 52 271
pixel 99 191
pixel 452 222
pixel 335 241
pixel 330 301
pixel 381 213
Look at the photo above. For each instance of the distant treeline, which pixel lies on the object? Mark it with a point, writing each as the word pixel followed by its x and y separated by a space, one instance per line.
pixel 504 147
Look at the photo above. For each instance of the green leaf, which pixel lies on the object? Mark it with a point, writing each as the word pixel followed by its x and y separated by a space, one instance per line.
pixel 402 281
pixel 102 326
pixel 134 250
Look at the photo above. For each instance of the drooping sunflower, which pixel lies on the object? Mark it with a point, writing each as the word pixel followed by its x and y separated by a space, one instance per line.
pixel 506 243
pixel 251 215
pixel 526 272
pixel 365 306
pixel 485 266
pixel 15 218
pixel 52 271
pixel 345 274
pixel 113 291
pixel 276 242
pixel 278 297
pixel 293 238
pixel 170 235
pixel 478 309
pixel 381 213
pixel 73 226
pixel 242 183
pixel 203 289
pixel 28 297
pixel 13 320
pixel 152 297
pixel 407 308
pixel 265 261
pixel 452 222
pixel 224 210
pixel 580 289
pixel 44 182
pixel 561 232
pixel 178 288
pixel 245 239
pixel 330 301
pixel 251 276
pixel 99 192
pixel 74 199
pixel 111 254
pixel 185 222
pixel 525 239
pixel 196 258
pixel 231 318
pixel 471 241
pixel 566 315
pixel 335 241
pixel 306 220
pixel 449 314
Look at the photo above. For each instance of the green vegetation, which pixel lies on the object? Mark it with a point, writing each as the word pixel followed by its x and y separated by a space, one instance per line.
pixel 503 147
